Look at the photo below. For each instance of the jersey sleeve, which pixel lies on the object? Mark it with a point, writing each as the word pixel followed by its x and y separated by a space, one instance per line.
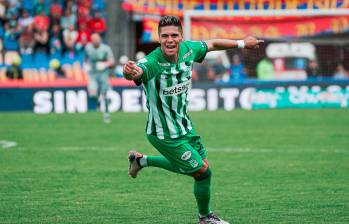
pixel 199 49
pixel 148 65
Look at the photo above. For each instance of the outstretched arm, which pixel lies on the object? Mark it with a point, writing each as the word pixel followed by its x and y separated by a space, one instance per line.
pixel 224 44
pixel 132 71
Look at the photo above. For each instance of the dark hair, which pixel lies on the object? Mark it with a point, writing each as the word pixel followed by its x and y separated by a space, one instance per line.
pixel 170 21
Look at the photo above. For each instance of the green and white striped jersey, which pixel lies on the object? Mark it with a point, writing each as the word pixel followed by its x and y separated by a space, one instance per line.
pixel 167 86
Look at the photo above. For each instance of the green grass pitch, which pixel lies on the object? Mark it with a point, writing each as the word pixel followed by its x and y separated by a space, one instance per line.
pixel 269 166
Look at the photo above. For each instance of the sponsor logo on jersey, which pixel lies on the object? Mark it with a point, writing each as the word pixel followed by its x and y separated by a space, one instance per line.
pixel 177 89
pixel 166 64
pixel 188 54
pixel 186 155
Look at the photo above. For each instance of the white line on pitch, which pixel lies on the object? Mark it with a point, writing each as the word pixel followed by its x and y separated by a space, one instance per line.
pixel 267 150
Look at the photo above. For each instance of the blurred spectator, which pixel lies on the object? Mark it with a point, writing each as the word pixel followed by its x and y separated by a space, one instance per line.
pixel 39 6
pixel 84 17
pixel 71 5
pixel 313 70
pixel 202 72
pixel 55 14
pixel 55 42
pixel 14 71
pixel 41 40
pixel 119 67
pixel 84 35
pixel 13 22
pixel 237 69
pixel 97 24
pixel 2 10
pixel 26 40
pixel 41 21
pixel 13 9
pixel 219 71
pixel 70 37
pixel 11 36
pixel 265 70
pixel 68 19
pixel 25 20
pixel 84 3
pixel 340 72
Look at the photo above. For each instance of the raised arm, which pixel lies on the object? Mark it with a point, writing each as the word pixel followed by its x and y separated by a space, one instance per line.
pixel 224 44
pixel 132 71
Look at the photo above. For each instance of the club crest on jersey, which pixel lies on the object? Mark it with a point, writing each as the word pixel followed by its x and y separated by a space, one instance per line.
pixel 186 155
pixel 177 89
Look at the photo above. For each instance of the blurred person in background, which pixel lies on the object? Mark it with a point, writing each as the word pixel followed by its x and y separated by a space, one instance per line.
pixel 99 58
pixel 41 40
pixel 26 40
pixel 70 37
pixel 84 35
pixel 55 14
pixel 313 70
pixel 340 73
pixel 237 69
pixel 2 10
pixel 25 20
pixel 14 71
pixel 41 21
pixel 56 42
pixel 202 72
pixel 219 70
pixel 166 76
pixel 10 39
pixel 265 70
pixel 68 19
pixel 98 24
pixel 40 6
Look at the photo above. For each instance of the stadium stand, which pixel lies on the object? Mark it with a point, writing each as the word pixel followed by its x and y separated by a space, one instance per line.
pixel 41 31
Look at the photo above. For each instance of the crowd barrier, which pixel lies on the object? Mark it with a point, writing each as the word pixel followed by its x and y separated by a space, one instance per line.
pixel 68 97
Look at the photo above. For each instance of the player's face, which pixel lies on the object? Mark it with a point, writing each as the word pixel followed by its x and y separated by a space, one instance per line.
pixel 170 37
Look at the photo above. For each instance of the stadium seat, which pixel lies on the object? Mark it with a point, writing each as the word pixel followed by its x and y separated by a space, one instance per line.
pixel 27 61
pixel 41 60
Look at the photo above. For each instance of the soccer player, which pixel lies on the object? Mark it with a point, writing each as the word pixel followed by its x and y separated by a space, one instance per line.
pixel 100 59
pixel 166 77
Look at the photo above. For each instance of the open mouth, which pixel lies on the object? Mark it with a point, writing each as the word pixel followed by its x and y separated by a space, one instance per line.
pixel 171 47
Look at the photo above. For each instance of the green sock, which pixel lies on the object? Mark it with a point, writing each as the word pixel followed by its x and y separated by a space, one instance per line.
pixel 202 194
pixel 162 162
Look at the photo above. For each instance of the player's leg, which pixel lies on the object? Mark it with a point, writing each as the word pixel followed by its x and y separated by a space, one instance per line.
pixel 104 100
pixel 137 161
pixel 175 157
pixel 92 89
pixel 202 186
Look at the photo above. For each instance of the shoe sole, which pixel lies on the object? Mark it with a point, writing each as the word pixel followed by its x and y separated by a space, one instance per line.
pixel 131 158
